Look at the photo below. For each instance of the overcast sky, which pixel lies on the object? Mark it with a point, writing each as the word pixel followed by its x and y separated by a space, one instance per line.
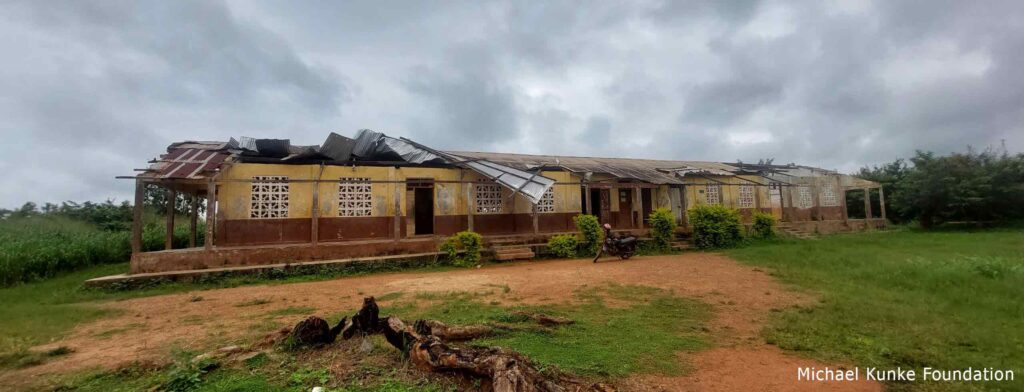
pixel 91 90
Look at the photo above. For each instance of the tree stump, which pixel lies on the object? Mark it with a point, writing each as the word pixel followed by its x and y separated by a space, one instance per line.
pixel 314 332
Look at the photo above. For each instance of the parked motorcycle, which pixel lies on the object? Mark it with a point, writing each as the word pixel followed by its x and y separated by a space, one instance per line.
pixel 622 246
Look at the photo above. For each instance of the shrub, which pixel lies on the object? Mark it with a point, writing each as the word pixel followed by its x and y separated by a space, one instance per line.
pixel 590 230
pixel 764 225
pixel 563 245
pixel 715 226
pixel 663 227
pixel 466 241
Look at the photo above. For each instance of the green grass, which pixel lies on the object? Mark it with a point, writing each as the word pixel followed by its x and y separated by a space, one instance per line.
pixel 906 298
pixel 38 247
pixel 643 336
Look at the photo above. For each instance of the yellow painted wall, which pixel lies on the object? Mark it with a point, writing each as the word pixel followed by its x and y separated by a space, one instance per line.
pixel 450 193
pixel 730 190
pixel 234 197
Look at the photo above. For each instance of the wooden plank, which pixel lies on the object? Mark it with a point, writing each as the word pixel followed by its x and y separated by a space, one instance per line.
pixel 140 191
pixel 211 205
pixel 172 198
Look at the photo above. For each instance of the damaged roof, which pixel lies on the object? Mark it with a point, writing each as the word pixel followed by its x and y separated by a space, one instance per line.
pixel 188 160
pixel 519 172
pixel 647 170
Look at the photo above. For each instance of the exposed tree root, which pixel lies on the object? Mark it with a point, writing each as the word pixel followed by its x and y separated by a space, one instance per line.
pixel 423 343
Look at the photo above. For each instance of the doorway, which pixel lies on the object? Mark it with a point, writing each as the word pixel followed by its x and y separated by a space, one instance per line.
pixel 421 203
pixel 597 205
pixel 646 205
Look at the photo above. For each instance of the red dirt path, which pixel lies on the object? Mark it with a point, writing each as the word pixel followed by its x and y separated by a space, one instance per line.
pixel 147 329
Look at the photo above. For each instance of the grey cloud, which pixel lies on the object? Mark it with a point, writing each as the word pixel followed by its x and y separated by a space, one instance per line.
pixel 837 85
pixel 471 104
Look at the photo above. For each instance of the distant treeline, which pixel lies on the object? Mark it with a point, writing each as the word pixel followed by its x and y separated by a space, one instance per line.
pixel 981 187
pixel 107 215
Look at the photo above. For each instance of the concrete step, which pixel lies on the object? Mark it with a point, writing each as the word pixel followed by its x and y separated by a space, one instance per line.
pixel 510 252
pixel 514 255
pixel 517 246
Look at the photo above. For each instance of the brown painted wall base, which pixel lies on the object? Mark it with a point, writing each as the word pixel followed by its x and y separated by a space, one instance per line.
pixel 234 232
pixel 838 226
pixel 197 258
pixel 355 228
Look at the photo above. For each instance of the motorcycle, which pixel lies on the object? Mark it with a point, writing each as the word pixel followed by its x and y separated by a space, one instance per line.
pixel 622 246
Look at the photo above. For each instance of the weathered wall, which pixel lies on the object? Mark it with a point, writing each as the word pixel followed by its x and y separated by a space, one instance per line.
pixel 453 200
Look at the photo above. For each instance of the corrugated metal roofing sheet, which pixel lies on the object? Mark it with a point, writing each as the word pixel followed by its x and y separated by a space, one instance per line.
pixel 189 160
pixel 647 170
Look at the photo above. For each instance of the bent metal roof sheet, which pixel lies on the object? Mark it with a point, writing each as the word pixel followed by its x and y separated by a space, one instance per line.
pixel 648 170
pixel 188 160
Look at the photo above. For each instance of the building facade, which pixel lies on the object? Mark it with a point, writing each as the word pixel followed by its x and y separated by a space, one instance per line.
pixel 270 202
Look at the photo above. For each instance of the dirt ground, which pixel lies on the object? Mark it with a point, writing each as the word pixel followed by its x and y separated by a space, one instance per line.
pixel 147 329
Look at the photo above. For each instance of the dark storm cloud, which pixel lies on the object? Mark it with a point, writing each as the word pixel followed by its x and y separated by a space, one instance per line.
pixel 90 90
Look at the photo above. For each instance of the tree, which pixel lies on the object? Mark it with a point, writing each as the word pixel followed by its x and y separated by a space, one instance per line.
pixel 972 186
pixel 889 175
pixel 156 197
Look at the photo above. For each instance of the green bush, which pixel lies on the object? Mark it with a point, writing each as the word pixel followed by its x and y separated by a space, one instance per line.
pixel 715 226
pixel 563 245
pixel 590 230
pixel 764 225
pixel 663 228
pixel 466 241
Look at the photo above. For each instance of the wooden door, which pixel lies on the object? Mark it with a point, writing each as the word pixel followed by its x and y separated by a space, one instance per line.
pixel 625 209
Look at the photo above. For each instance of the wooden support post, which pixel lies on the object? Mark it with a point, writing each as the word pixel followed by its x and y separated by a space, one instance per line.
pixel 314 213
pixel 211 207
pixel 846 213
pixel 172 198
pixel 867 207
pixel 193 219
pixel 140 191
pixel 816 200
pixel 397 228
pixel 638 206
pixel 470 210
pixel 590 203
pixel 757 198
pixel 881 204
pixel 536 226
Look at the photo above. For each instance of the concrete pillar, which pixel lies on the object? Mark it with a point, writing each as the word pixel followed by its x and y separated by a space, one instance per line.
pixel 211 206
pixel 172 197
pixel 140 191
